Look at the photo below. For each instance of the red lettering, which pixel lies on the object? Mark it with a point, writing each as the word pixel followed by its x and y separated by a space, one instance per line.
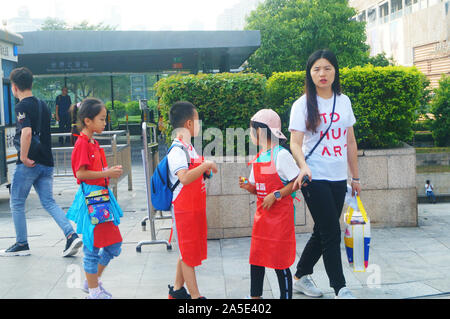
pixel 328 135
pixel 326 149
pixel 324 117
pixel 336 119
pixel 339 135
pixel 337 150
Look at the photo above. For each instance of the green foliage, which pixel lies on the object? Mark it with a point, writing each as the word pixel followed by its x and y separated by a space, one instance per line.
pixel 380 60
pixel 282 89
pixel 223 100
pixel 441 111
pixel 132 108
pixel 119 108
pixel 291 30
pixel 385 101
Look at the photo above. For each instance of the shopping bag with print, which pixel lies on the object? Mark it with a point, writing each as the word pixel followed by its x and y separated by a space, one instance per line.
pixel 357 235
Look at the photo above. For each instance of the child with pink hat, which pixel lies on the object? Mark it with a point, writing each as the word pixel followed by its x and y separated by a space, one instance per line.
pixel 271 180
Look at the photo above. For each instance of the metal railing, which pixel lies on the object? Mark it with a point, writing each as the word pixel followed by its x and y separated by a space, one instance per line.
pixel 116 154
pixel 150 159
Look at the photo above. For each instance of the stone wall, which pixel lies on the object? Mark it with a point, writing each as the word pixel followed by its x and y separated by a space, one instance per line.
pixel 389 194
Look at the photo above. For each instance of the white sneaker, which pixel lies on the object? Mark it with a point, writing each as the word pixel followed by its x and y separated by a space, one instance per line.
pixel 306 286
pixel 100 294
pixel 85 288
pixel 345 293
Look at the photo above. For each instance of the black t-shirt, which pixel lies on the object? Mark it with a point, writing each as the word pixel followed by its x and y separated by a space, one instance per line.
pixel 63 103
pixel 27 116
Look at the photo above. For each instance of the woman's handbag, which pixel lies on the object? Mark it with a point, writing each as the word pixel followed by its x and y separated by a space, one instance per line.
pixel 357 235
pixel 99 206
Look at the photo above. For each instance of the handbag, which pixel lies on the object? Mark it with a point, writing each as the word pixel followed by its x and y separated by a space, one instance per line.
pixel 357 235
pixel 323 135
pixel 99 205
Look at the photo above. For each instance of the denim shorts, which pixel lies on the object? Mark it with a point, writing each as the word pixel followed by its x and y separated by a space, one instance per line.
pixel 100 256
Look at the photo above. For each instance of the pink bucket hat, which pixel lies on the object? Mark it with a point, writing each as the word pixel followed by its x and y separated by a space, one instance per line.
pixel 271 119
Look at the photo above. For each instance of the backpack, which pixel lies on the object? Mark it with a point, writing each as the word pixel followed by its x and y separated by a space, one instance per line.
pixel 161 188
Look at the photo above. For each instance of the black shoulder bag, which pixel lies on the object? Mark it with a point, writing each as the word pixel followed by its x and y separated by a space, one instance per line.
pixel 35 144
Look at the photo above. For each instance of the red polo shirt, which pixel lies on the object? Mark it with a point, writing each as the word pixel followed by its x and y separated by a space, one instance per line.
pixel 92 156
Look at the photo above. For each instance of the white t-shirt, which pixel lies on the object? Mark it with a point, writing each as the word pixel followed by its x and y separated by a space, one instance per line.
pixel 428 187
pixel 329 159
pixel 285 165
pixel 177 161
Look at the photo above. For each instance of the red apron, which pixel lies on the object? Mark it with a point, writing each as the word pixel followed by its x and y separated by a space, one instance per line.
pixel 273 235
pixel 190 219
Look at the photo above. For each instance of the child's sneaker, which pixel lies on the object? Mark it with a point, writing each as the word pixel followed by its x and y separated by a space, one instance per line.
pixel 16 250
pixel 100 294
pixel 178 294
pixel 85 288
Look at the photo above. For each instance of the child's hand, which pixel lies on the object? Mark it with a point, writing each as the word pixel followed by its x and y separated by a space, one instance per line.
pixel 115 171
pixel 245 184
pixel 211 166
pixel 268 201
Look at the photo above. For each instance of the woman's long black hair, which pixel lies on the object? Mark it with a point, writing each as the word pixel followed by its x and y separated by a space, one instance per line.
pixel 313 119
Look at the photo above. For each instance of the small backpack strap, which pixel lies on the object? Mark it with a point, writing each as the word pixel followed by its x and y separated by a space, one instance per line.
pixel 172 188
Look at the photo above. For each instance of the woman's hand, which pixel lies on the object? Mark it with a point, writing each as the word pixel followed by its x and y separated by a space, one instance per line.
pixel 298 181
pixel 356 187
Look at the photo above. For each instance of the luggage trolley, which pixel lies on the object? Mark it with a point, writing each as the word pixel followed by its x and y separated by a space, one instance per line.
pixel 150 163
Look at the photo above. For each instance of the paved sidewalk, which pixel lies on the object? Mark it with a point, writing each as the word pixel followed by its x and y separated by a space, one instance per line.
pixel 409 262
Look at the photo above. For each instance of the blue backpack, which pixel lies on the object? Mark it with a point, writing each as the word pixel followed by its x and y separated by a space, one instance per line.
pixel 161 188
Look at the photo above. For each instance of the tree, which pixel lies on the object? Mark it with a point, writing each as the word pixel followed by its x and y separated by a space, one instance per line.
pixel 380 60
pixel 441 111
pixel 58 24
pixel 293 29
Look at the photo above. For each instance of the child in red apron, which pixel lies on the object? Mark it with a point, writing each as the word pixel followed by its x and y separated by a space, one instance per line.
pixel 273 236
pixel 189 200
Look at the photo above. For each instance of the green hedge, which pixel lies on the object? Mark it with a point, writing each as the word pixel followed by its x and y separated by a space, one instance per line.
pixel 385 100
pixel 441 111
pixel 223 100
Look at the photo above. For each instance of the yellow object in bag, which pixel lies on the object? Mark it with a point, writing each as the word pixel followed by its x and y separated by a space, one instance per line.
pixel 357 236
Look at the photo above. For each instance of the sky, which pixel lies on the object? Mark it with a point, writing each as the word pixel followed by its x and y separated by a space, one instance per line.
pixel 149 15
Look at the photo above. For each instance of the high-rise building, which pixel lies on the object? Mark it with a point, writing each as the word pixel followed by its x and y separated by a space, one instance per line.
pixel 234 17
pixel 413 32
pixel 23 22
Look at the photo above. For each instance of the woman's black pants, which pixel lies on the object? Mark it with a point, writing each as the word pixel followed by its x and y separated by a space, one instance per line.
pixel 325 200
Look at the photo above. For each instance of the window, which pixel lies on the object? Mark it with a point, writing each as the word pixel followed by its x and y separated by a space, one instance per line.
pixel 408 6
pixel 396 8
pixel 362 16
pixel 384 12
pixel 371 16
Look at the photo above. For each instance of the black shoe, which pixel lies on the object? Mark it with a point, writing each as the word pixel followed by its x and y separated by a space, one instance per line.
pixel 178 294
pixel 72 245
pixel 16 250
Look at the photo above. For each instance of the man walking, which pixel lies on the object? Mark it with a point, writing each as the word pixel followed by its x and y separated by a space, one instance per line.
pixel 63 103
pixel 34 166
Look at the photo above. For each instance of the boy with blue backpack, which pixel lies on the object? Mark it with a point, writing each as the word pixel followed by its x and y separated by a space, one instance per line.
pixel 179 180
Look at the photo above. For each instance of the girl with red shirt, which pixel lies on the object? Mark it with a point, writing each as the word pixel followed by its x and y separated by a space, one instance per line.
pixel 102 242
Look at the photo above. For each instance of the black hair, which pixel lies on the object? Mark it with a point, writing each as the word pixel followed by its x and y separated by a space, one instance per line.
pixel 254 126
pixel 180 112
pixel 22 78
pixel 313 118
pixel 428 181
pixel 89 108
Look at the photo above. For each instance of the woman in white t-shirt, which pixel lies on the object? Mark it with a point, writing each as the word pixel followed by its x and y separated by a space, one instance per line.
pixel 325 167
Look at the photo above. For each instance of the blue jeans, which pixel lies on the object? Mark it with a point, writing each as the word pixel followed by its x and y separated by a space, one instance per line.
pixel 431 197
pixel 100 256
pixel 41 178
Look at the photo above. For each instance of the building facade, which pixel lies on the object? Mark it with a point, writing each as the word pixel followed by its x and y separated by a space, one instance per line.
pixel 413 32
